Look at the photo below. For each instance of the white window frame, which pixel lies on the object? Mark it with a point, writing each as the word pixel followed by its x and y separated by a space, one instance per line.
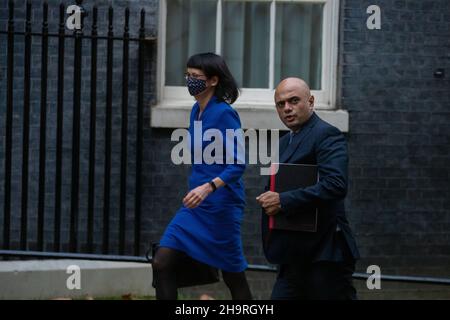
pixel 173 98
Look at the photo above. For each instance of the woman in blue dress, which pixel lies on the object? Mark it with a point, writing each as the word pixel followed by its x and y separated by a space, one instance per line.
pixel 207 226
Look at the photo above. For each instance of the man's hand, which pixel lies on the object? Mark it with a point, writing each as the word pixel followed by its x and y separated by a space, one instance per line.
pixel 270 201
pixel 196 196
pixel 270 211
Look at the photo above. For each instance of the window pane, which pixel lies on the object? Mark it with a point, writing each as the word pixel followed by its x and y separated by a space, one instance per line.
pixel 245 41
pixel 298 42
pixel 190 29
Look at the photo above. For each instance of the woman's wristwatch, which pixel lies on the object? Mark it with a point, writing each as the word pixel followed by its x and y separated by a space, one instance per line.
pixel 213 185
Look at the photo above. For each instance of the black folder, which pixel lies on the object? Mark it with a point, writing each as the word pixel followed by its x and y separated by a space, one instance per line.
pixel 289 177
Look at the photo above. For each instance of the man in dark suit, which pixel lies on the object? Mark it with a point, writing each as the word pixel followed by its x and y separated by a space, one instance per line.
pixel 312 265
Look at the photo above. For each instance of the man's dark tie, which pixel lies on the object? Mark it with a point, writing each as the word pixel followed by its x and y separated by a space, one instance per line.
pixel 291 136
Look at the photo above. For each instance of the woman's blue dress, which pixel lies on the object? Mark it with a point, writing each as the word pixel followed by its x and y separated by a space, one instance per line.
pixel 211 232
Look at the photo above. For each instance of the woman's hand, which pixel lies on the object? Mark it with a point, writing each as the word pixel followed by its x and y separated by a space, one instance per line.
pixel 196 196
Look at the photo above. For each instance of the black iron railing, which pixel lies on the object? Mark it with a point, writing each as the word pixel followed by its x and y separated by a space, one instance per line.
pixel 79 39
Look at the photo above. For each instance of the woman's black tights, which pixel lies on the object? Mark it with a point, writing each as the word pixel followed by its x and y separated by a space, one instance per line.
pixel 237 283
pixel 164 264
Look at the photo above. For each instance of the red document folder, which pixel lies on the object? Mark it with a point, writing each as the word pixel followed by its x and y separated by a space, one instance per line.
pixel 289 177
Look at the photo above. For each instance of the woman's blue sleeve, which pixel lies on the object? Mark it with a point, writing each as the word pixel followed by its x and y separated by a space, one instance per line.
pixel 235 158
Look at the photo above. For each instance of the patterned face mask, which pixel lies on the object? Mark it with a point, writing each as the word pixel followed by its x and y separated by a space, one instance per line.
pixel 195 86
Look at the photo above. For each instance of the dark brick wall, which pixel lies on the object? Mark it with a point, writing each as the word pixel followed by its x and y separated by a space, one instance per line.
pixel 399 139
pixel 399 144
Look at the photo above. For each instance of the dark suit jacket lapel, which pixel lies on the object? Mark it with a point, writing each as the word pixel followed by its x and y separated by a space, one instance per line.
pixel 284 143
pixel 298 138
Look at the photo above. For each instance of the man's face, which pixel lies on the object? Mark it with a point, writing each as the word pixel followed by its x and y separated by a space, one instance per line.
pixel 294 104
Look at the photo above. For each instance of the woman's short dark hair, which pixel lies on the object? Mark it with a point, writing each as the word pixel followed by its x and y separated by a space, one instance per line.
pixel 214 65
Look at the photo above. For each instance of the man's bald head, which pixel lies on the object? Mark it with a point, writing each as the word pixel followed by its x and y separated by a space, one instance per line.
pixel 294 102
pixel 292 83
